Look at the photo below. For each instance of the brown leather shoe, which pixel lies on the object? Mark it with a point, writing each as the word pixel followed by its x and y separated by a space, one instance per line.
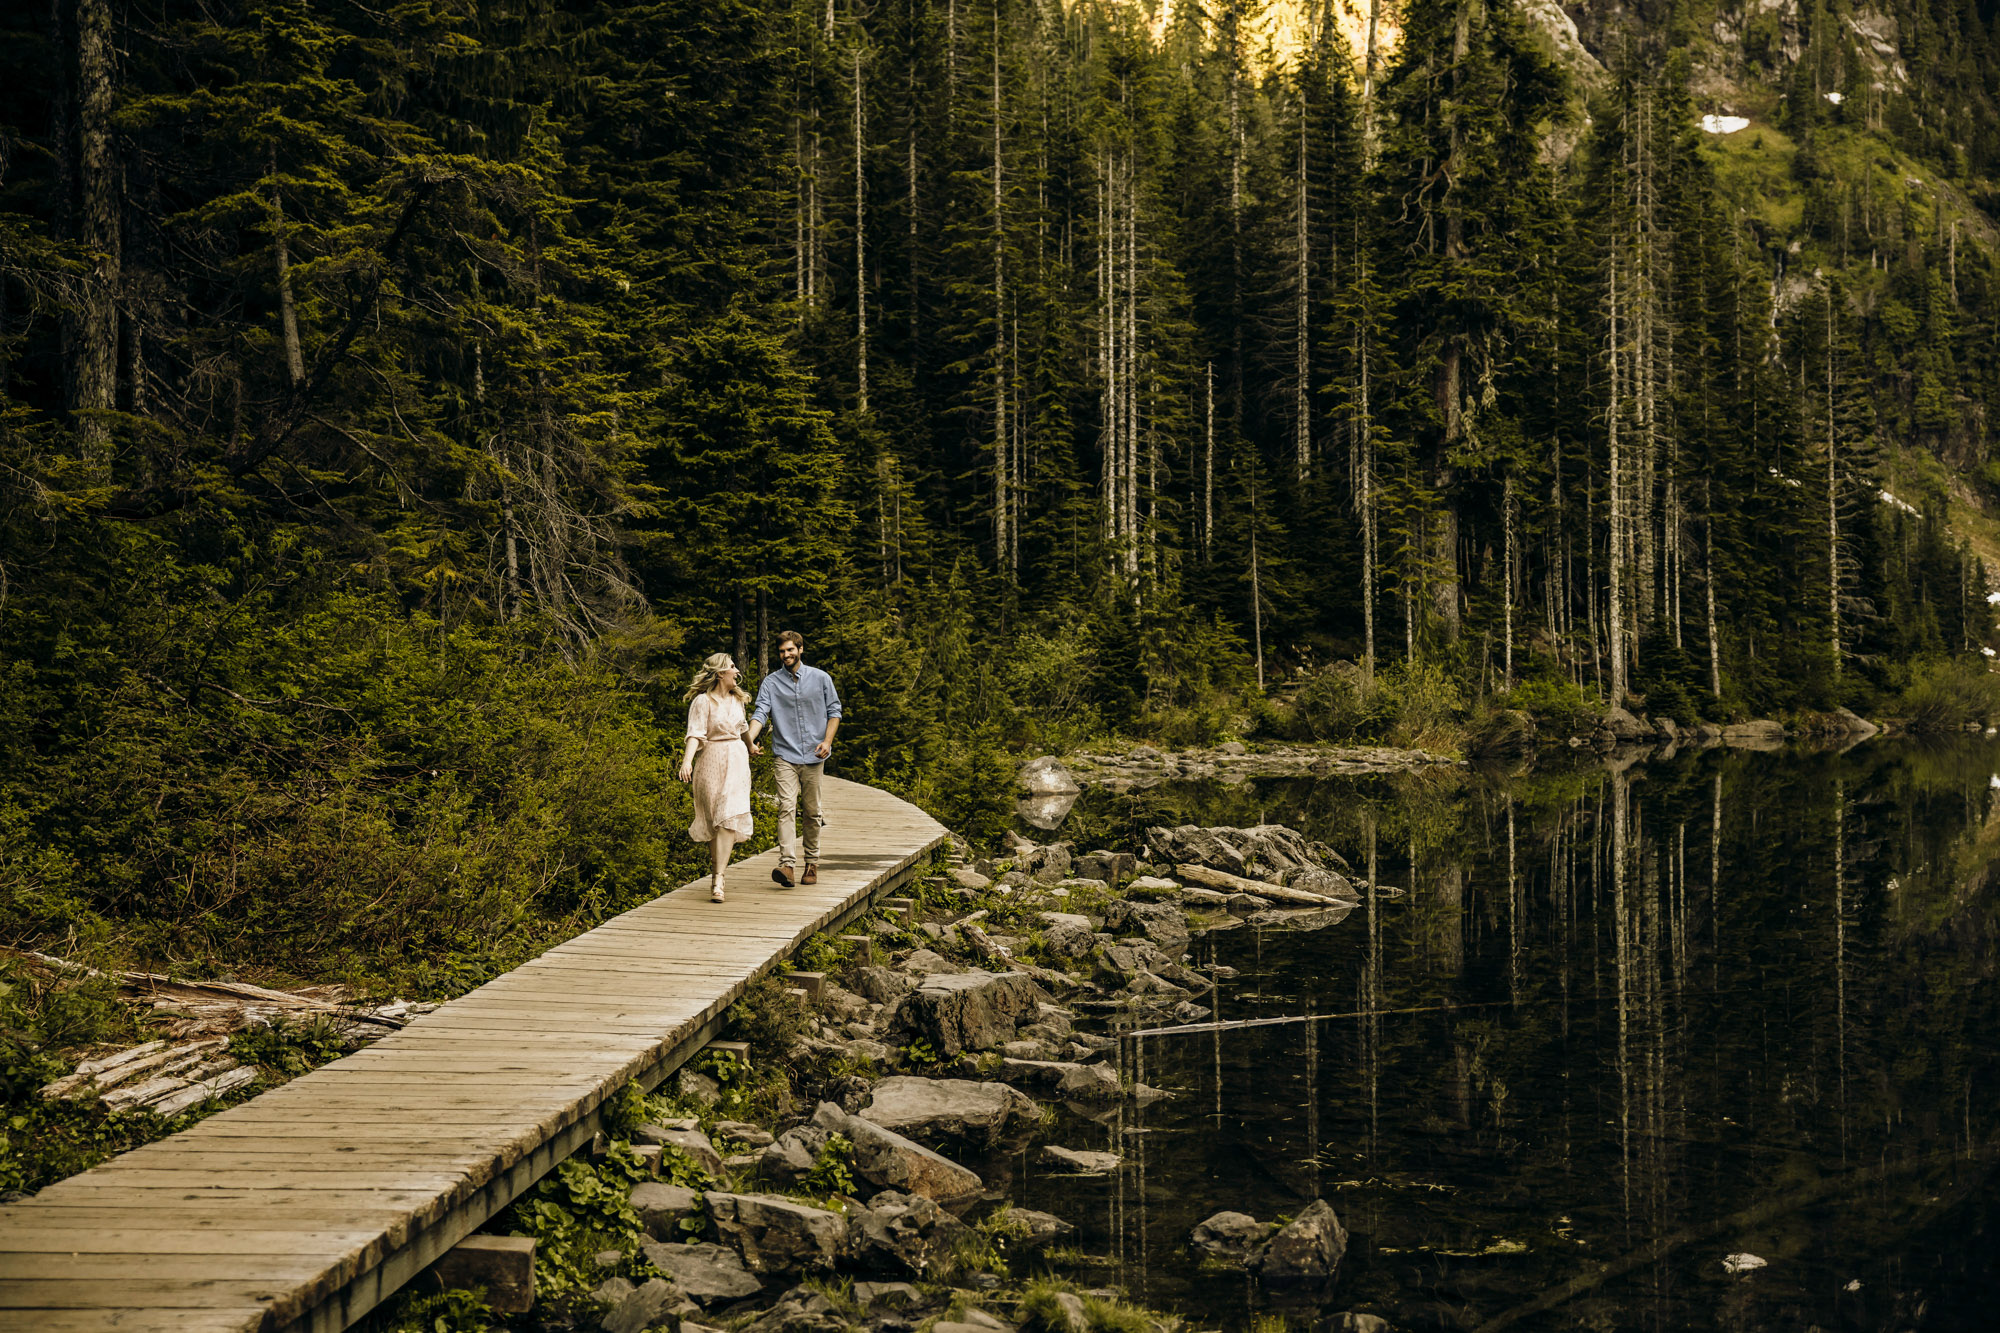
pixel 783 876
pixel 811 876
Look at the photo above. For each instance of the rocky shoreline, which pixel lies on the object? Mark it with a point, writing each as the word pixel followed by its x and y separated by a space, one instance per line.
pixel 843 1167
pixel 1052 785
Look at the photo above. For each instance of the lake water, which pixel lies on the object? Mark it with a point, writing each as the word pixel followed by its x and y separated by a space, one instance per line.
pixel 1617 1027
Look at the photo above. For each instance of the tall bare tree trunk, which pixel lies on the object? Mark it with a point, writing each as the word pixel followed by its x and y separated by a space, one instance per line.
pixel 1002 543
pixel 1208 472
pixel 1442 552
pixel 763 633
pixel 860 237
pixel 1614 564
pixel 1364 451
pixel 288 317
pixel 1832 502
pixel 1132 380
pixel 1301 329
pixel 1368 77
pixel 90 337
pixel 1507 583
pixel 1708 584
pixel 1256 577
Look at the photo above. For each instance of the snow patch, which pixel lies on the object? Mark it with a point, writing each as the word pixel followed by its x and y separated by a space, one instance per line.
pixel 1892 501
pixel 1789 481
pixel 1993 599
pixel 1835 98
pixel 1715 124
pixel 1741 1263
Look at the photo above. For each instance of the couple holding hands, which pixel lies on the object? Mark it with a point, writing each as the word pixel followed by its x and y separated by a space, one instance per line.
pixel 802 709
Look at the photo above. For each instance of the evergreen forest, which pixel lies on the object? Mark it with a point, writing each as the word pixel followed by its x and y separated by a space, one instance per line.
pixel 397 401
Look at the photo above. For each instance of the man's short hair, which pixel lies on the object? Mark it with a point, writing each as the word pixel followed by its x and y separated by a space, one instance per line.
pixel 793 636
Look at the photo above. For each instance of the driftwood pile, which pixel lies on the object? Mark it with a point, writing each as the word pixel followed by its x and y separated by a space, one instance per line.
pixel 196 1019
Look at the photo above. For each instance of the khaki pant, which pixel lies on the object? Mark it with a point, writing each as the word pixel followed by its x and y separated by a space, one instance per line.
pixel 795 781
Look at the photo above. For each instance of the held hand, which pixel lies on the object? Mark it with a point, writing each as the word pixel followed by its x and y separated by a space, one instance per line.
pixel 755 749
pixel 823 749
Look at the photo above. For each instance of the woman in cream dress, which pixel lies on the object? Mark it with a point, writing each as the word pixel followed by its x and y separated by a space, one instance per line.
pixel 717 762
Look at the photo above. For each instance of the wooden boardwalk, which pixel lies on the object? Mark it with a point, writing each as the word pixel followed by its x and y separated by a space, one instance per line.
pixel 304 1208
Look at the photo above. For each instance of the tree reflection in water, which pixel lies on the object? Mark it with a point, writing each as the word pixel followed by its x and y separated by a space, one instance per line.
pixel 1563 1074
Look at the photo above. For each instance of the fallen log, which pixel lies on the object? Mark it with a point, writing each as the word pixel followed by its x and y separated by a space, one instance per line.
pixel 1277 893
pixel 167 992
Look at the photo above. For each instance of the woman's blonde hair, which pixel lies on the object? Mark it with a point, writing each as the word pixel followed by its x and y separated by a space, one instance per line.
pixel 709 672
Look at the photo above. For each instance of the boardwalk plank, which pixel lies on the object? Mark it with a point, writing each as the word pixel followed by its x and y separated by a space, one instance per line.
pixel 352 1178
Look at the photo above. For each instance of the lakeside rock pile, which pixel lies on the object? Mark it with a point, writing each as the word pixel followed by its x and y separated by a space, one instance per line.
pixel 927 1061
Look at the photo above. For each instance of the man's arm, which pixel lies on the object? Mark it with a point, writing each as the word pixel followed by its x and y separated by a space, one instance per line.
pixel 825 747
pixel 762 713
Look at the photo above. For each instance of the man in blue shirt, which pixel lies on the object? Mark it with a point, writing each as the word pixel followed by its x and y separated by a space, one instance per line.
pixel 803 711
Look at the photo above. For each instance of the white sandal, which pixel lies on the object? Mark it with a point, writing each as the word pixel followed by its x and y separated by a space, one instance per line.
pixel 715 892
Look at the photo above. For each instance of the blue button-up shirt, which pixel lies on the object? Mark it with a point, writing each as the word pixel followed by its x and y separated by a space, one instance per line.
pixel 797 709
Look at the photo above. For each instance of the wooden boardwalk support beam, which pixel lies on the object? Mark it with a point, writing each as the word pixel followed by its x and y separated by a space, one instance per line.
pixel 303 1209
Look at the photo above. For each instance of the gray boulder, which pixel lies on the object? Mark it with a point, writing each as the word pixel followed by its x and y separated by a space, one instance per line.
pixel 1192 845
pixel 1351 1321
pixel 1159 922
pixel 1855 723
pixel 643 1306
pixel 1625 726
pixel 969 879
pixel 661 1207
pixel 967 1012
pixel 1311 879
pixel 777 1235
pixel 1230 1237
pixel 1048 863
pixel 1308 1249
pixel 881 985
pixel 743 1132
pixel 690 1141
pixel 929 963
pixel 800 1310
pixel 900 1233
pixel 887 1160
pixel 872 1296
pixel 1132 956
pixel 1757 734
pixel 950 1110
pixel 1046 777
pixel 789 1159
pixel 1083 1161
pixel 612 1290
pixel 1263 849
pixel 1065 1079
pixel 1111 867
pixel 1042 1228
pixel 1068 934
pixel 711 1274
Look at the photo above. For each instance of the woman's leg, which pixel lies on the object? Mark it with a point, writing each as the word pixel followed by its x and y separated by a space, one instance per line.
pixel 724 844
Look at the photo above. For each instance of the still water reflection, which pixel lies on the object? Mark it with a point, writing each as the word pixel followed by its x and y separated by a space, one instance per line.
pixel 1616 1027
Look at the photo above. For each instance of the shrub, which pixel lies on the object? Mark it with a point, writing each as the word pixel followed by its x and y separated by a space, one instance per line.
pixel 1951 694
pixel 769 1017
pixel 1339 704
pixel 969 788
pixel 1048 676
pixel 1554 700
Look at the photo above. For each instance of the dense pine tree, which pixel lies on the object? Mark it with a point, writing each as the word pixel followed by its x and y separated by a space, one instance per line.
pixel 1054 372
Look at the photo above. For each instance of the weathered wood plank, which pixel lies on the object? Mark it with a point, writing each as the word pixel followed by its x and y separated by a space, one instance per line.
pixel 306 1206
